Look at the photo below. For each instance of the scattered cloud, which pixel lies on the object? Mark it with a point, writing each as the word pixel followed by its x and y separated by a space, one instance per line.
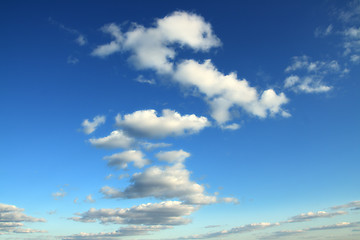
pixel 121 160
pixel 163 213
pixel 60 194
pixel 142 79
pixel 310 75
pixel 321 32
pixel 89 199
pixel 229 200
pixel 109 176
pixel 164 183
pixel 72 60
pixel 76 200
pixel 90 126
pixel 52 212
pixel 12 220
pixel 80 39
pixel 146 123
pixel 124 231
pixel 173 156
pixel 116 139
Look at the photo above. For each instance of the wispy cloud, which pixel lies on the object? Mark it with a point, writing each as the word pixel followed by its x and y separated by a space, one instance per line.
pixel 80 38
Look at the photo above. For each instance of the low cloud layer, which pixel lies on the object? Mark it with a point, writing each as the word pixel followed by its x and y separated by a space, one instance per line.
pixel 12 220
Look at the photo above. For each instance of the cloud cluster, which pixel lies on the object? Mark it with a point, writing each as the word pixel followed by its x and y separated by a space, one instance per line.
pixel 146 123
pixel 60 194
pixel 164 183
pixel 154 48
pixel 90 126
pixel 163 213
pixel 308 76
pixel 121 160
pixel 12 219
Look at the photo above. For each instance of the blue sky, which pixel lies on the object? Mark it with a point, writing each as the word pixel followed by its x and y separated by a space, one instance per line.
pixel 180 120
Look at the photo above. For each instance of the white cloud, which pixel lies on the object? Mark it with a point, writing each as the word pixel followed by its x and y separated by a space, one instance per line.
pixel 124 231
pixel 89 127
pixel 81 40
pixel 355 58
pixel 164 183
pixel 229 200
pixel 89 199
pixel 141 79
pixel 233 126
pixel 310 75
pixel 146 123
pixel 308 84
pixel 173 156
pixel 60 194
pixel 112 47
pixel 163 213
pixel 223 92
pixel 12 219
pixel 152 47
pixel 121 160
pixel 313 215
pixel 116 139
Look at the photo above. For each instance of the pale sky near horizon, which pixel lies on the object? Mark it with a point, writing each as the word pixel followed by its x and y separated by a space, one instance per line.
pixel 180 120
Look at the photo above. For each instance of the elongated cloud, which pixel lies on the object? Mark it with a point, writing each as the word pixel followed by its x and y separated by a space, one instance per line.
pixel 353 205
pixel 153 48
pixel 223 92
pixel 164 183
pixel 90 126
pixel 12 219
pixel 121 160
pixel 146 123
pixel 122 232
pixel 117 139
pixel 313 215
pixel 164 213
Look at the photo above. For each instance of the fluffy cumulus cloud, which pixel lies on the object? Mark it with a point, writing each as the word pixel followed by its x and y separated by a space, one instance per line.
pixel 153 47
pixel 121 160
pixel 90 126
pixel 164 213
pixel 164 183
pixel 313 215
pixel 12 220
pixel 146 123
pixel 122 232
pixel 178 156
pixel 116 139
pixel 308 76
pixel 223 92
